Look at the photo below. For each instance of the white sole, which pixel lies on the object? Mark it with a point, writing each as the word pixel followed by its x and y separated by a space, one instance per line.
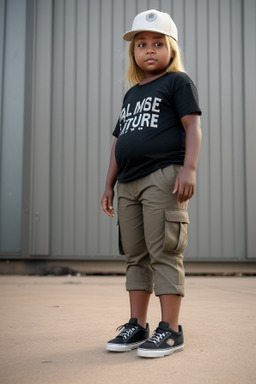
pixel 160 352
pixel 123 348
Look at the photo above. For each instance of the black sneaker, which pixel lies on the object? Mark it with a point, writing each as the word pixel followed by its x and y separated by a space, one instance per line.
pixel 131 337
pixel 164 342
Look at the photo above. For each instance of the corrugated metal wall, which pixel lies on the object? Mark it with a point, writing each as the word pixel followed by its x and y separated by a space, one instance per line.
pixel 87 92
pixel 12 84
pixel 77 85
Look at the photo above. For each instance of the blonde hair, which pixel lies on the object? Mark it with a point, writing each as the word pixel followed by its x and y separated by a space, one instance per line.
pixel 134 74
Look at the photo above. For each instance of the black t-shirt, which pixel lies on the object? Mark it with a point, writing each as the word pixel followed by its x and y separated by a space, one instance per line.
pixel 149 130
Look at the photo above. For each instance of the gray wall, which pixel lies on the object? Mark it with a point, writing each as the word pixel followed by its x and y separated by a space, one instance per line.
pixel 74 84
pixel 12 67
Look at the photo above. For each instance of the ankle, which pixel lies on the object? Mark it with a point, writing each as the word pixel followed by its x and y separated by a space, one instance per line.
pixel 173 325
pixel 141 322
pixel 143 325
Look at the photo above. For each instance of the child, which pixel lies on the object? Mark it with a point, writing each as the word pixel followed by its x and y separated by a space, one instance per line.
pixel 154 158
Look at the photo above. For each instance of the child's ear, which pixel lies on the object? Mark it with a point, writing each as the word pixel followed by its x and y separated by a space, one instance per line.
pixel 172 56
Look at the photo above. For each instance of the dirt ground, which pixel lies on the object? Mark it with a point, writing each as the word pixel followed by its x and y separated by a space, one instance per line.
pixel 54 329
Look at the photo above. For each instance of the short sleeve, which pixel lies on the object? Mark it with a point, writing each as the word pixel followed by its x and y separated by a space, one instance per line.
pixel 186 99
pixel 117 129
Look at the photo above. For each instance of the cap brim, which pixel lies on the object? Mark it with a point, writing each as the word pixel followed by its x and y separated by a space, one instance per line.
pixel 130 34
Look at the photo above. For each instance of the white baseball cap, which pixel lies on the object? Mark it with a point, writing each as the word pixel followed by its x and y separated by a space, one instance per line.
pixel 154 21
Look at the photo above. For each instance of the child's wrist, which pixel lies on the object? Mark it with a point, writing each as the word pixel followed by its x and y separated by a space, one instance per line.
pixel 189 167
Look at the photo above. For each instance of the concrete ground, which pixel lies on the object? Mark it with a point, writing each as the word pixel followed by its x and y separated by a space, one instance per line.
pixel 53 330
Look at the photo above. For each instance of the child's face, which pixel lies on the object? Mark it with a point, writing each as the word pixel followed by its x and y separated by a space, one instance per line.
pixel 151 53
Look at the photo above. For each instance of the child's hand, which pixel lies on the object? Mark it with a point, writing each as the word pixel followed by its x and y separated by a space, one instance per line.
pixel 185 185
pixel 107 202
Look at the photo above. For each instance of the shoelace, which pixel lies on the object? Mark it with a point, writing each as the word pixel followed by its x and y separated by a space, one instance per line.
pixel 157 337
pixel 126 331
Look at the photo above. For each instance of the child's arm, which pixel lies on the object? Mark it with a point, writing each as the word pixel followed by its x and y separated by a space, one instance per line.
pixel 185 182
pixel 108 195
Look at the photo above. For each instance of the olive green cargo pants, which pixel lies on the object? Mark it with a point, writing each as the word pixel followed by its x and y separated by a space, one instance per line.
pixel 153 232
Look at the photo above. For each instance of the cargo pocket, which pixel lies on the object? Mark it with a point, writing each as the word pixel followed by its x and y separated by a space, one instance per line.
pixel 120 245
pixel 176 222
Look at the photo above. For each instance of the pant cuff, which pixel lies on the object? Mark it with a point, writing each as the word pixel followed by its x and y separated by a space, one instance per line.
pixel 139 287
pixel 169 290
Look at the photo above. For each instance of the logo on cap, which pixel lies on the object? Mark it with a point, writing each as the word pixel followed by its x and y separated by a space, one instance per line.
pixel 151 16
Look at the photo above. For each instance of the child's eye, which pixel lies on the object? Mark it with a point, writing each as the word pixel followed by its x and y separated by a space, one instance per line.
pixel 141 45
pixel 159 44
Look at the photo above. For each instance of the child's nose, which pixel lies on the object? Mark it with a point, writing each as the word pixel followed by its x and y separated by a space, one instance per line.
pixel 151 50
